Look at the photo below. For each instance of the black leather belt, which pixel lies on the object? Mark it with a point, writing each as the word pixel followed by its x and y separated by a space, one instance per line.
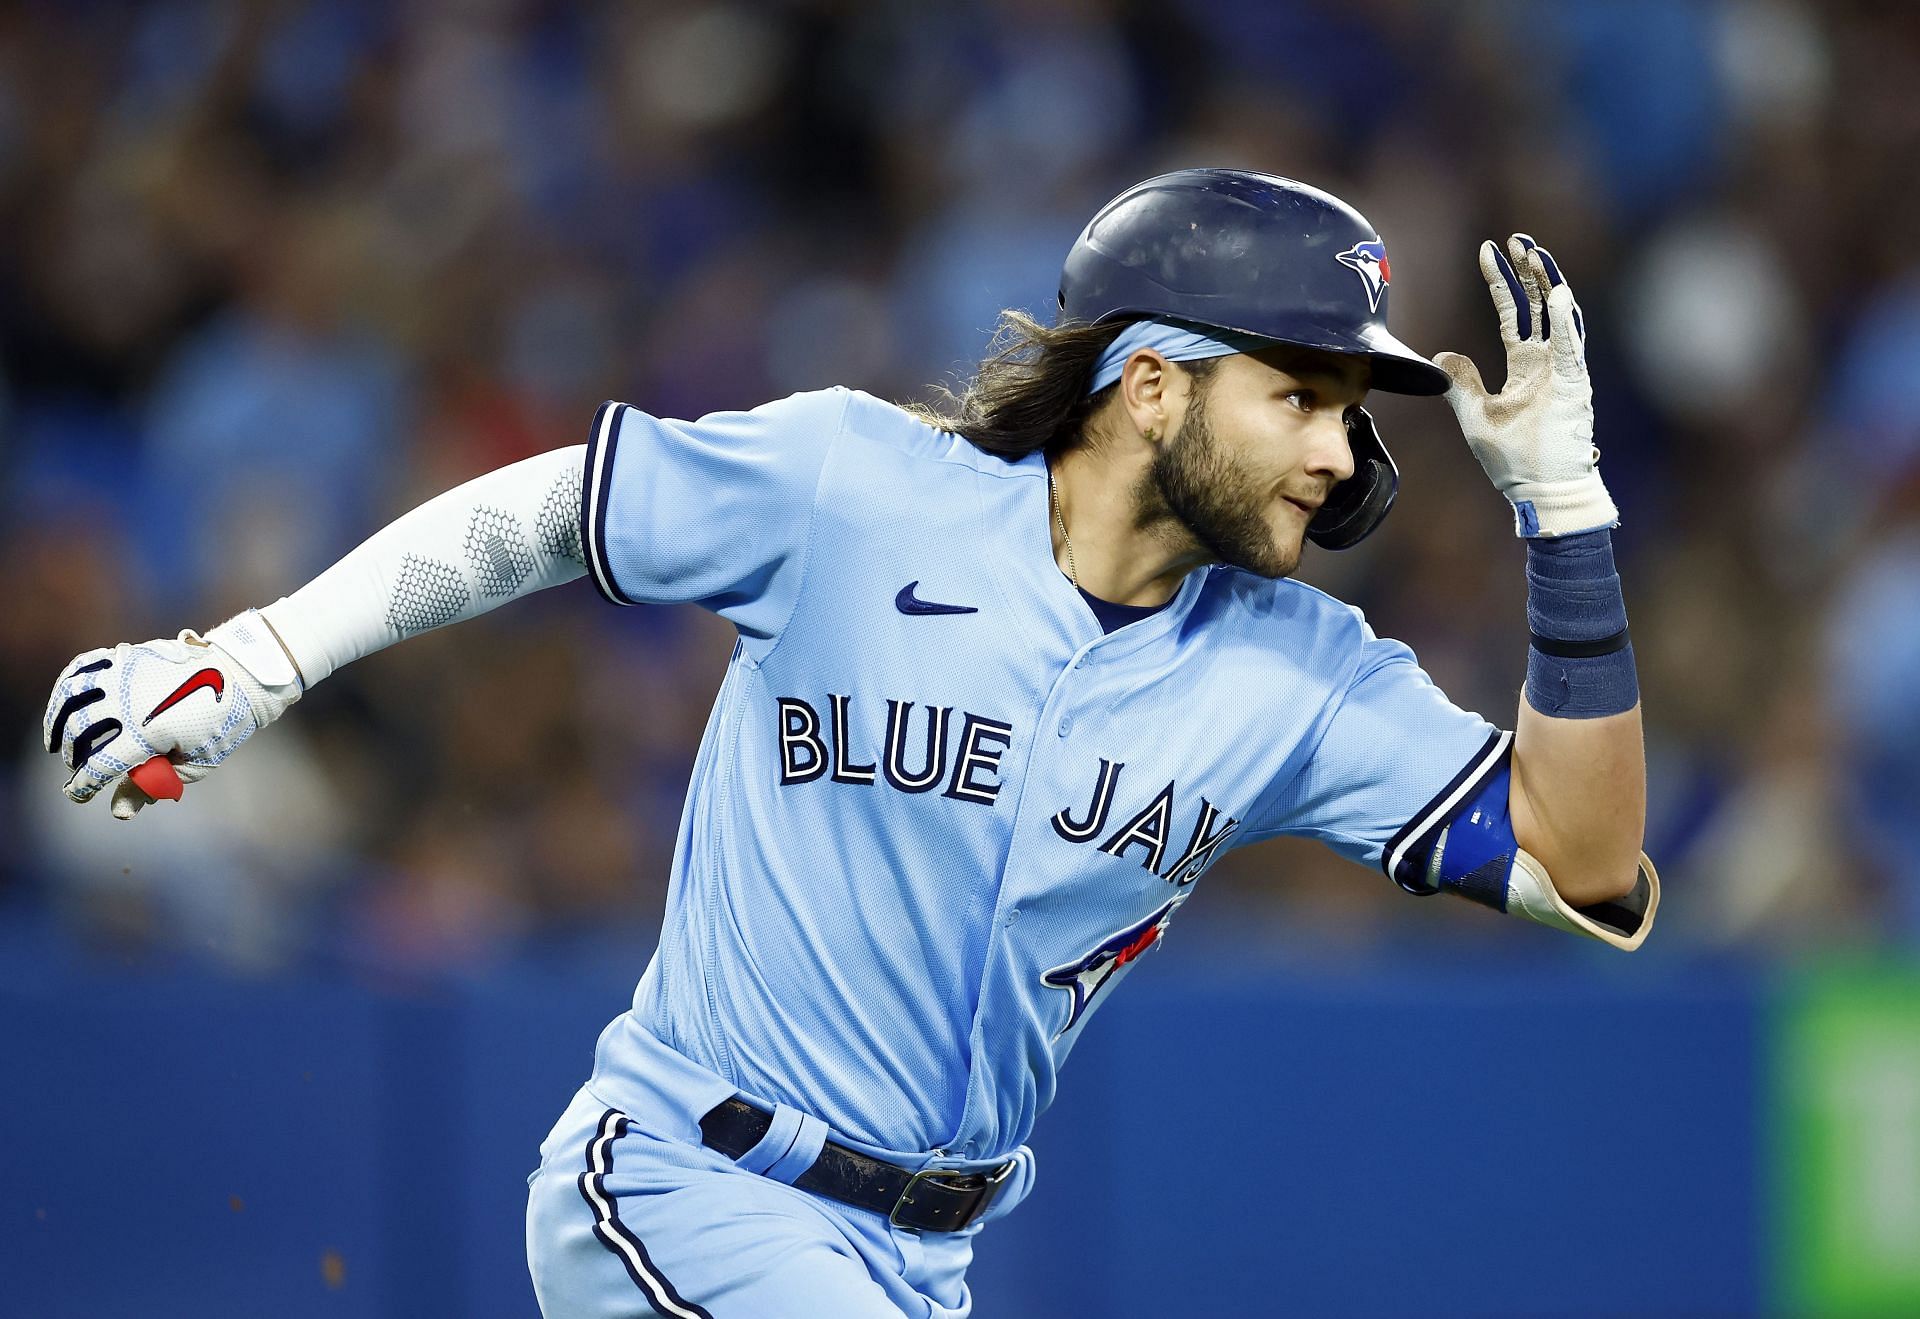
pixel 932 1200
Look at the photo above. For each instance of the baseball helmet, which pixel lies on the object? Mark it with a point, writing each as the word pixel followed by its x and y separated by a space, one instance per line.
pixel 1240 250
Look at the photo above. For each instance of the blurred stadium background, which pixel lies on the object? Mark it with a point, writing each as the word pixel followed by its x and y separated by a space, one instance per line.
pixel 274 272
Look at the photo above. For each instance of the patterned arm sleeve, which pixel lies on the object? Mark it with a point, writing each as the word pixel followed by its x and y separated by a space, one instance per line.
pixel 494 539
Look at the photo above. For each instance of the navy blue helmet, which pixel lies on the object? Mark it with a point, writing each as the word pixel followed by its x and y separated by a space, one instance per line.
pixel 1244 251
pixel 1240 250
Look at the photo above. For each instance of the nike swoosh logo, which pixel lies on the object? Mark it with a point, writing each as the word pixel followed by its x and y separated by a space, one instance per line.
pixel 908 603
pixel 211 679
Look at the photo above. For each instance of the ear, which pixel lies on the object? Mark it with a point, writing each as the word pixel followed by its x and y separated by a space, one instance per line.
pixel 1149 394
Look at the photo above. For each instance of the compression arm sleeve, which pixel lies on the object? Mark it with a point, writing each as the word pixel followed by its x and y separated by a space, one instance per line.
pixel 494 539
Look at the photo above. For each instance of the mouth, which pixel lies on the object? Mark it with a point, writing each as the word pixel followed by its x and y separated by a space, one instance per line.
pixel 1308 507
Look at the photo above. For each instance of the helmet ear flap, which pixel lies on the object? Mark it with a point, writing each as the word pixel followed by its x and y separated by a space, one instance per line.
pixel 1360 503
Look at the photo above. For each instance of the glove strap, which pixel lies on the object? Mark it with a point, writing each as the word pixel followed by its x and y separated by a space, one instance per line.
pixel 251 640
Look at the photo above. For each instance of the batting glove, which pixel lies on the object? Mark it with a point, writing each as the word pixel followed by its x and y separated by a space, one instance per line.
pixel 193 700
pixel 1535 437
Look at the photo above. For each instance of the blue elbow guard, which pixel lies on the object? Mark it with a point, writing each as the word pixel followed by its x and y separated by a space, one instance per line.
pixel 1469 851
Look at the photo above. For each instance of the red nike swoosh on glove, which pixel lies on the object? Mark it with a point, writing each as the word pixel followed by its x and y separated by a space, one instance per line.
pixel 211 678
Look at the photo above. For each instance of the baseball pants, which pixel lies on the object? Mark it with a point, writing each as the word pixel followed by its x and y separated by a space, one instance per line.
pixel 624 1222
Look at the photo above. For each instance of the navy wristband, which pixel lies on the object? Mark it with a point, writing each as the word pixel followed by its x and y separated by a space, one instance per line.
pixel 1580 664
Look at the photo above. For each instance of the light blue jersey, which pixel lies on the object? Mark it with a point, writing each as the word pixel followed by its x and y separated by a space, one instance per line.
pixel 937 814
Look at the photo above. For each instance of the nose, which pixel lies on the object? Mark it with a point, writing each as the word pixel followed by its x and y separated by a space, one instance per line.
pixel 1328 450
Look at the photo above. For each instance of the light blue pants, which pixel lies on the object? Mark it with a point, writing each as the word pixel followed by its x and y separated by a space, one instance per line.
pixel 625 1222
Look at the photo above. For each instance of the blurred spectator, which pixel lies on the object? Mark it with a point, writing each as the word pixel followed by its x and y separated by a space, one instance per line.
pixel 277 272
pixel 1875 693
pixel 274 424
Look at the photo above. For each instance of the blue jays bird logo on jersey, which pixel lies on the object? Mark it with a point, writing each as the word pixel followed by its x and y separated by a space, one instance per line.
pixel 1369 261
pixel 1085 978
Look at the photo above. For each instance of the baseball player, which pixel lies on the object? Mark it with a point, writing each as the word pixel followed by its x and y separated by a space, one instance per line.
pixel 1006 683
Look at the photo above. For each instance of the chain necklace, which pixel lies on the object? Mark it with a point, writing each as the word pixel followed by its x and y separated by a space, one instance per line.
pixel 1053 498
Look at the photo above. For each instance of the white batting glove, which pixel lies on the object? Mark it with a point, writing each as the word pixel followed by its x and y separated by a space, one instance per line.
pixel 1535 437
pixel 193 700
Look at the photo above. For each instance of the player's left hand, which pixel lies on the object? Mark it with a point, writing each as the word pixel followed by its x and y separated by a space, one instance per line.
pixel 1534 437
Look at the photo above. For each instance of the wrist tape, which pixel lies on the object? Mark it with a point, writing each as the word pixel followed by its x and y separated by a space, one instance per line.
pixel 1580 661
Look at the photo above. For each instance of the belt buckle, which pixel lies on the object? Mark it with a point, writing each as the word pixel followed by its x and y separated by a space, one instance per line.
pixel 989 1188
pixel 906 1196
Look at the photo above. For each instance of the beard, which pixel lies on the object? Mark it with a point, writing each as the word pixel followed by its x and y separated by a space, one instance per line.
pixel 1193 484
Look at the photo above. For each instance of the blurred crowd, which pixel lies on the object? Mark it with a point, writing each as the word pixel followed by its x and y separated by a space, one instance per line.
pixel 276 271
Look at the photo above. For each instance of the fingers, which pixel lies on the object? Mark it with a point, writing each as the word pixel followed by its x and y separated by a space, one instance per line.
pixel 1549 277
pixel 77 723
pixel 1520 249
pixel 75 690
pixel 128 800
pixel 1567 307
pixel 1463 373
pixel 94 775
pixel 1570 345
pixel 71 721
pixel 1467 394
pixel 107 762
pixel 101 755
pixel 85 726
pixel 1548 267
pixel 1530 293
pixel 1559 307
pixel 1509 297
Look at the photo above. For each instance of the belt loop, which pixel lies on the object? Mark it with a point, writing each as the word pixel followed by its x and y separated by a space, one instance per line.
pixel 792 1143
pixel 777 1141
pixel 808 1141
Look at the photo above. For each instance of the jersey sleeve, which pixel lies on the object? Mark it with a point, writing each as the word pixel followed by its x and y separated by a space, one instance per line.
pixel 715 512
pixel 1394 757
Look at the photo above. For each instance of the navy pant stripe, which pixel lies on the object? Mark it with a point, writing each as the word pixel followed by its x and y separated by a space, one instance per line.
pixel 617 1236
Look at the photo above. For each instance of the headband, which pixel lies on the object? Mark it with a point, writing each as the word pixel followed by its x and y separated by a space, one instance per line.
pixel 1177 341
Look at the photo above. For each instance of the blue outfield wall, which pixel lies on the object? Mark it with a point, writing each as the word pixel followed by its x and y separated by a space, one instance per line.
pixel 1569 1135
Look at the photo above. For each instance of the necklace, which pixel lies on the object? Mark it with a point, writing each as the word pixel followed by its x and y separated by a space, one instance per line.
pixel 1053 498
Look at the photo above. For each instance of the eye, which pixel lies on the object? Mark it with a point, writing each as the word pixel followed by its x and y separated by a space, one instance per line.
pixel 1303 399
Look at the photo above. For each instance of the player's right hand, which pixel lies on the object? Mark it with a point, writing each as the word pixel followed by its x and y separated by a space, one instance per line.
pixel 193 700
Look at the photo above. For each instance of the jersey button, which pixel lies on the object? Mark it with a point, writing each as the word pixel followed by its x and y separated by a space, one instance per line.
pixel 1066 725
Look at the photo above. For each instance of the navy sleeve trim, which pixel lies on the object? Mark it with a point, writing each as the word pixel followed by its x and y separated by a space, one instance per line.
pixel 1427 821
pixel 601 445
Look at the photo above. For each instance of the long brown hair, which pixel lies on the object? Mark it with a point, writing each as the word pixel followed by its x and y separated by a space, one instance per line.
pixel 1031 391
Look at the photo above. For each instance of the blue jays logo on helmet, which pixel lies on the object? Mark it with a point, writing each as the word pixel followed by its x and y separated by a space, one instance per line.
pixel 1085 978
pixel 1369 260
